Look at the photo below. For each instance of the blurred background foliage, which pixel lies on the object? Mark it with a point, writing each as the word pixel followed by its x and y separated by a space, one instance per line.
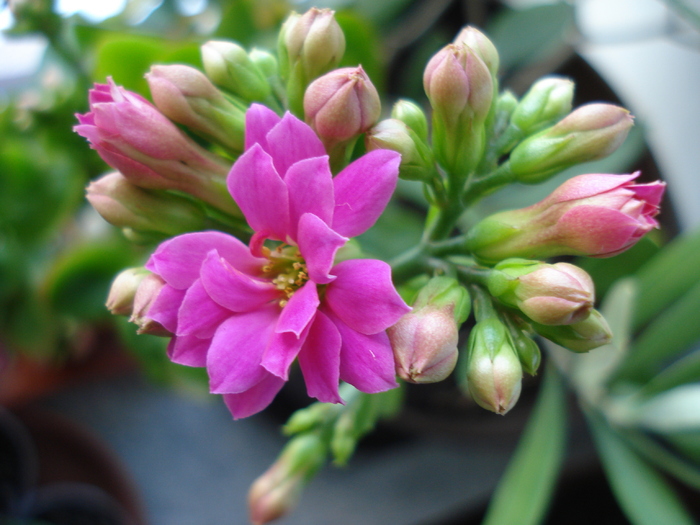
pixel 58 257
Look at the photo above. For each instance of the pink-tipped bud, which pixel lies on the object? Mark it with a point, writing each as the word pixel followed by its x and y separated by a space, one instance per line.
pixel 551 294
pixel 228 65
pixel 133 137
pixel 580 337
pixel 341 105
pixel 186 96
pixel 591 132
pixel 416 157
pixel 143 214
pixel 314 40
pixel 424 341
pixel 597 215
pixel 146 294
pixel 120 300
pixel 278 490
pixel 481 45
pixel 494 372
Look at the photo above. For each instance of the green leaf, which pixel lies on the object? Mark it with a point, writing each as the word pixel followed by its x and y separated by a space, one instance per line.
pixel 667 336
pixel 524 492
pixel 524 36
pixel 671 411
pixel 642 493
pixel 685 370
pixel 397 230
pixel 668 276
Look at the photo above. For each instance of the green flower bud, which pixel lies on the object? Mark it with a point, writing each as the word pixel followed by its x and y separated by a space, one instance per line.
pixel 148 214
pixel 494 372
pixel 551 294
pixel 278 490
pixel 547 101
pixel 580 337
pixel 186 96
pixel 120 300
pixel 266 62
pixel 591 132
pixel 229 66
pixel 416 157
pixel 413 116
pixel 528 351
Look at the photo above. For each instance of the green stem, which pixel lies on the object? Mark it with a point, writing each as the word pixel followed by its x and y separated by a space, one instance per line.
pixel 483 305
pixel 482 186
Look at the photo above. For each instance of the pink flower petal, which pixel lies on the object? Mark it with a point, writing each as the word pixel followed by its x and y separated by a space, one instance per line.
pixel 366 361
pixel 259 120
pixel 234 357
pixel 178 260
pixel 165 308
pixel 260 192
pixel 319 360
pixel 299 311
pixel 291 141
pixel 310 186
pixel 362 191
pixel 281 352
pixel 188 350
pixel 364 297
pixel 583 186
pixel 199 314
pixel 318 245
pixel 255 398
pixel 233 289
pixel 600 231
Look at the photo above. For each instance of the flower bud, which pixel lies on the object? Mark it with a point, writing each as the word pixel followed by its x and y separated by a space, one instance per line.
pixel 152 214
pixel 591 132
pixel 413 116
pixel 552 294
pixel 266 62
pixel 416 157
pixel 481 45
pixel 341 105
pixel 146 294
pixel 120 300
pixel 186 96
pixel 424 341
pixel 579 337
pixel 528 351
pixel 229 66
pixel 278 490
pixel 597 215
pixel 494 372
pixel 133 137
pixel 460 89
pixel 313 41
pixel 547 101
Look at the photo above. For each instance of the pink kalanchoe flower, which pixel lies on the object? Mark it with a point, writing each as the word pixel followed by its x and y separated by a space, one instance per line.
pixel 598 215
pixel 132 136
pixel 246 313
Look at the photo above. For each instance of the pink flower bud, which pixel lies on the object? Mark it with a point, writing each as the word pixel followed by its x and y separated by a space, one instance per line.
pixel 148 214
pixel 597 215
pixel 146 294
pixel 591 132
pixel 494 372
pixel 481 45
pixel 132 136
pixel 121 295
pixel 551 294
pixel 186 96
pixel 278 490
pixel 341 105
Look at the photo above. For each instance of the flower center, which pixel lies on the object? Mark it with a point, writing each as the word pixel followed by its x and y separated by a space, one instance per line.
pixel 286 269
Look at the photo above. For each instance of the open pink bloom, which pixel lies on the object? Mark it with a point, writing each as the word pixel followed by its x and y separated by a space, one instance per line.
pixel 246 313
pixel 598 215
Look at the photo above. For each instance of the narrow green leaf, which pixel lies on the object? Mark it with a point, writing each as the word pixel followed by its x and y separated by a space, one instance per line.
pixel 668 276
pixel 643 494
pixel 685 370
pixel 671 333
pixel 672 410
pixel 524 492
